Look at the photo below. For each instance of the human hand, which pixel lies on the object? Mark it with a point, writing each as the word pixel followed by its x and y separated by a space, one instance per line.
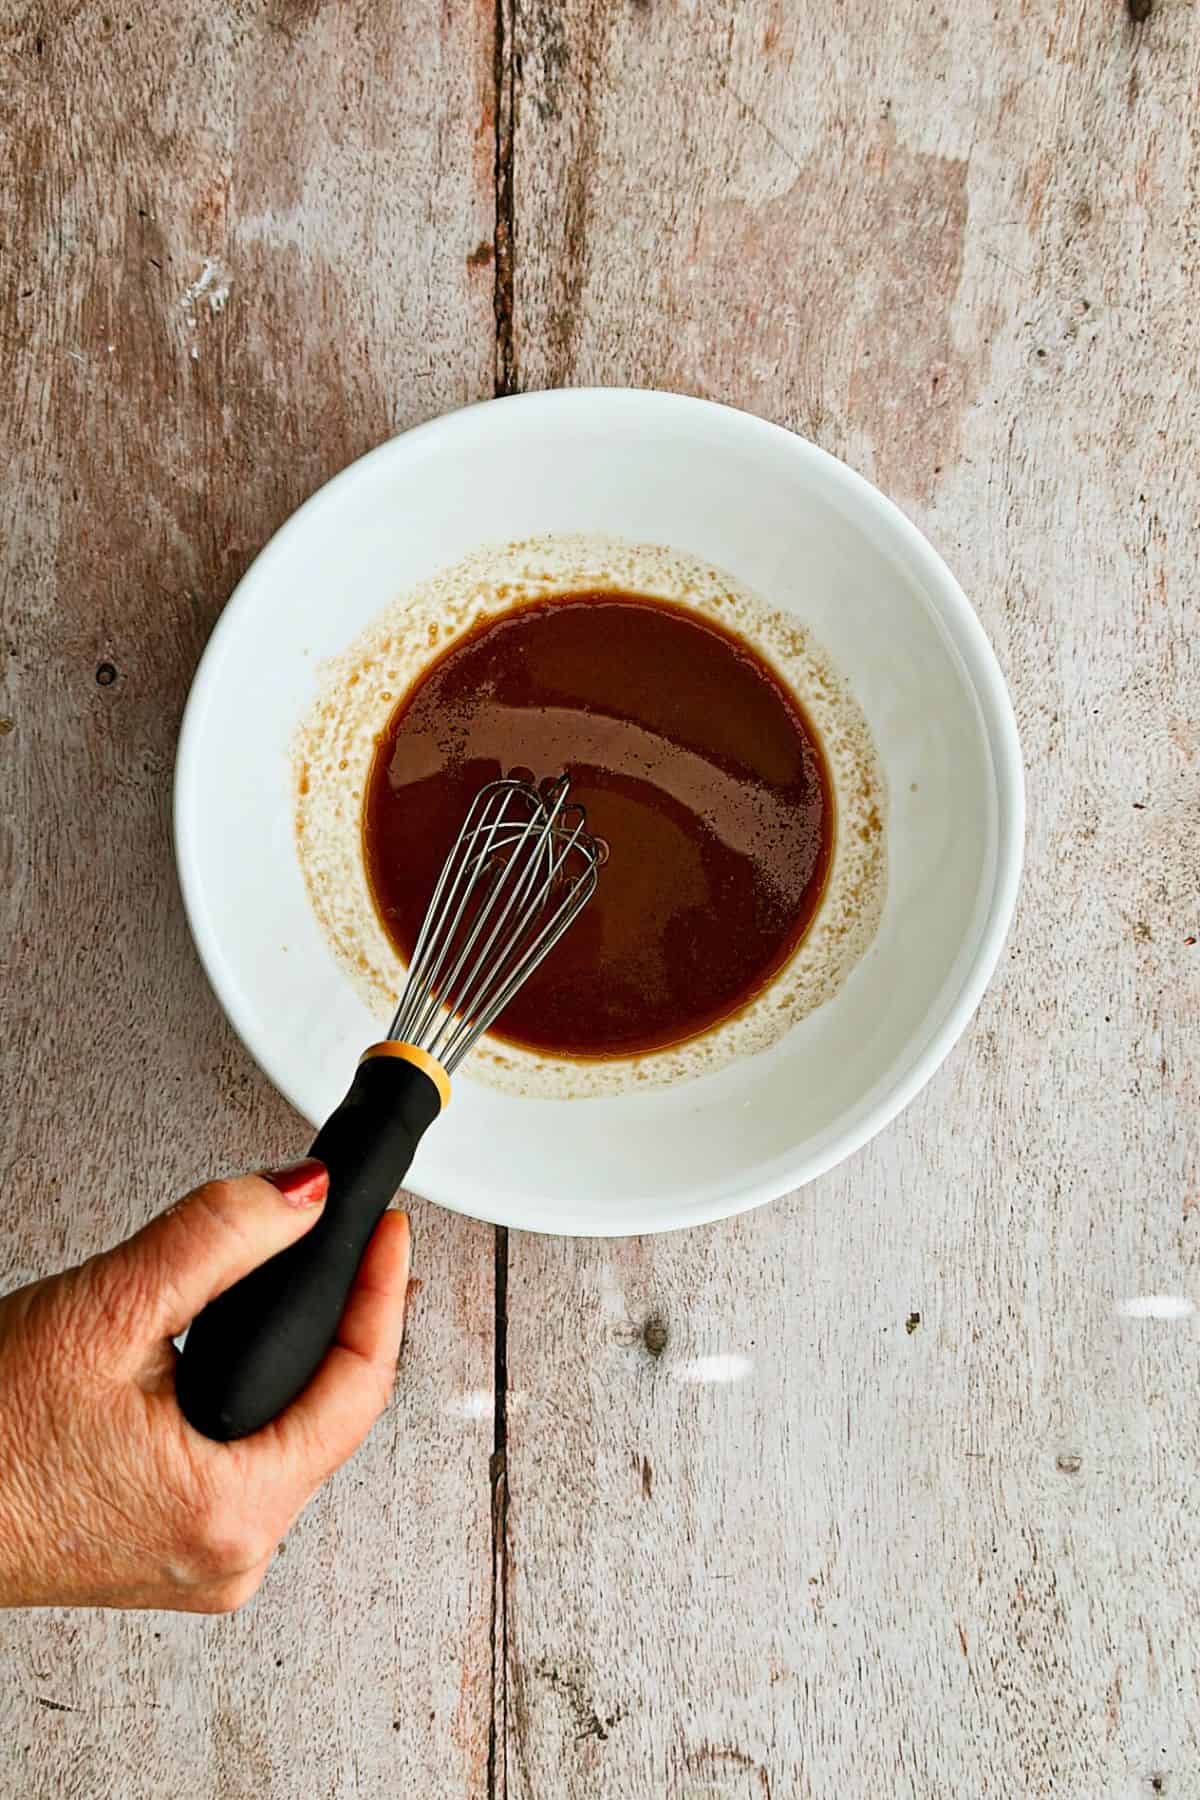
pixel 108 1497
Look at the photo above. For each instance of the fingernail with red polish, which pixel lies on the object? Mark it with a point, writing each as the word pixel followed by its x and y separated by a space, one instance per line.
pixel 302 1183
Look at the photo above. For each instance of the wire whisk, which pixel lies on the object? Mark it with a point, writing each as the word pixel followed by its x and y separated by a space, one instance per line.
pixel 522 867
pixel 520 871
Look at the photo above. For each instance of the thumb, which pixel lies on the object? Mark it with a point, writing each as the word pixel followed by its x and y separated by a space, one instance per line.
pixel 170 1270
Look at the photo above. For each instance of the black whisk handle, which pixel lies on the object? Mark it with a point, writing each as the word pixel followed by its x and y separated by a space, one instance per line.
pixel 254 1347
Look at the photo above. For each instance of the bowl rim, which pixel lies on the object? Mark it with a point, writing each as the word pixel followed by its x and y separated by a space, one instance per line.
pixel 957 617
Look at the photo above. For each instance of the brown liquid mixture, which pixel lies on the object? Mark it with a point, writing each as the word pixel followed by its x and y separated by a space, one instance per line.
pixel 694 763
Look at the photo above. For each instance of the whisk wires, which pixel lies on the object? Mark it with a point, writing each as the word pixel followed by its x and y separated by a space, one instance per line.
pixel 520 871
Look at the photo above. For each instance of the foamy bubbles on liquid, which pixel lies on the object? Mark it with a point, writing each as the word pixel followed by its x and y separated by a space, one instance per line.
pixel 359 691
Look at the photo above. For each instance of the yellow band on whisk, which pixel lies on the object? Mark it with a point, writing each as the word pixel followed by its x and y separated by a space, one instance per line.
pixel 420 1059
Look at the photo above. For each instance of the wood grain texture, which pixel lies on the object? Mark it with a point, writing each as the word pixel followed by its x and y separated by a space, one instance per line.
pixel 880 1491
pixel 239 245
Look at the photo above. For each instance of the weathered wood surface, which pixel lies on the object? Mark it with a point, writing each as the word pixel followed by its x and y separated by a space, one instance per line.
pixel 879 1492
pixel 237 250
pixel 957 246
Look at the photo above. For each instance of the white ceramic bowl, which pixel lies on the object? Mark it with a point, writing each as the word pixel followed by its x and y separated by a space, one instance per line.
pixel 810 536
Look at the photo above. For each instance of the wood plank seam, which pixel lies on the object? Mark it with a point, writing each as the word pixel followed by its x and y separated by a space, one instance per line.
pixel 505 382
pixel 498 1725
